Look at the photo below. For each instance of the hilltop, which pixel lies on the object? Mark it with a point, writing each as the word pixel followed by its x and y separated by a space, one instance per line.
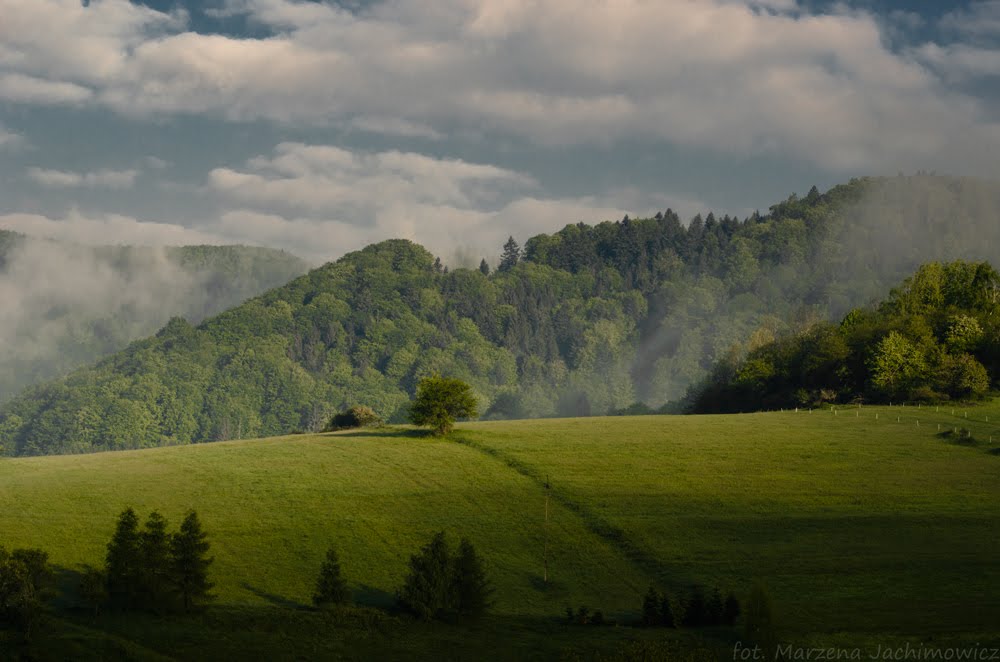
pixel 67 305
pixel 620 316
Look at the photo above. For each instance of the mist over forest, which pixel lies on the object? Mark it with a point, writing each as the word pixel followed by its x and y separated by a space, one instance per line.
pixel 67 305
pixel 622 316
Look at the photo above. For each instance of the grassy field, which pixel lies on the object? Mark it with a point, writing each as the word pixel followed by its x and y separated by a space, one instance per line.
pixel 863 530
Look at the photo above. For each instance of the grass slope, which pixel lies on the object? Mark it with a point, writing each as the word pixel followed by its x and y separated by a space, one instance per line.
pixel 860 528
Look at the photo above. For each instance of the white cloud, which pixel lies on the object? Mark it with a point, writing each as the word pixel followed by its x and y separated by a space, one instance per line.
pixel 320 201
pixel 29 89
pixel 980 19
pixel 737 78
pixel 112 179
pixel 81 228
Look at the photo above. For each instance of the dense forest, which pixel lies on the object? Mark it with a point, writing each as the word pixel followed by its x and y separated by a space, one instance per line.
pixel 620 316
pixel 65 306
pixel 937 337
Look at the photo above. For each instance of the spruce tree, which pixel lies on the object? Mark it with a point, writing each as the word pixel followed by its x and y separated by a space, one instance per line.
pixel 155 563
pixel 470 587
pixel 427 591
pixel 484 268
pixel 330 585
pixel 123 563
pixel 651 608
pixel 190 561
pixel 511 255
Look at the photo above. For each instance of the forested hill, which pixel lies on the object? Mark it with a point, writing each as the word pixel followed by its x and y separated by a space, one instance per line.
pixel 936 338
pixel 589 320
pixel 66 305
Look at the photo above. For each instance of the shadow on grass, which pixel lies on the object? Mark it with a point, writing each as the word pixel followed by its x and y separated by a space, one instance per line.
pixel 961 437
pixel 405 433
pixel 276 600
pixel 994 451
pixel 369 596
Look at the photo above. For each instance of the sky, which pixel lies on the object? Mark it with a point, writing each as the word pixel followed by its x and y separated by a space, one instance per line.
pixel 320 127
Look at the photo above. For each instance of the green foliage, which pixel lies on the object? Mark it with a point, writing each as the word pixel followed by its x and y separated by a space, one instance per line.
pixel 156 589
pixel 428 591
pixel 931 340
pixel 651 608
pixel 358 416
pixel 331 589
pixel 93 588
pixel 440 401
pixel 23 576
pixel 123 562
pixel 591 320
pixel 190 561
pixel 511 255
pixel 471 588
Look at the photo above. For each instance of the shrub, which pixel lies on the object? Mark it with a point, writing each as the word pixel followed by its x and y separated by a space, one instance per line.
pixel 355 417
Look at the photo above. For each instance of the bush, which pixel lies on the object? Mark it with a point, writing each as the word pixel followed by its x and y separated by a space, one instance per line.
pixel 355 417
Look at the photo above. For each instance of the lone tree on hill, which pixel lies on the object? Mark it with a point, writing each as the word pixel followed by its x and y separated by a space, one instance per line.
pixel 441 400
pixel 330 586
pixel 189 550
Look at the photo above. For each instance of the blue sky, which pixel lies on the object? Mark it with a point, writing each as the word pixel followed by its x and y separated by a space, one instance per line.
pixel 321 127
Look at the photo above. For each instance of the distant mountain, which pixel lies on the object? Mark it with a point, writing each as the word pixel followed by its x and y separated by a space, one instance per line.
pixel 620 316
pixel 63 305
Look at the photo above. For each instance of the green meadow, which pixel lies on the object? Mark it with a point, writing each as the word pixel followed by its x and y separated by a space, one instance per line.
pixel 864 529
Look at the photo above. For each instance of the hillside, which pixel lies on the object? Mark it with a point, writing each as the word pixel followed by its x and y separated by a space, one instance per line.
pixel 865 529
pixel 592 319
pixel 66 305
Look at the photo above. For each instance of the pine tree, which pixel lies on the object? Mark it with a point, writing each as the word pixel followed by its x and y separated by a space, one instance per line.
pixel 470 587
pixel 651 608
pixel 731 610
pixel 330 586
pixel 427 591
pixel 123 563
pixel 154 558
pixel 511 255
pixel 189 549
pixel 484 268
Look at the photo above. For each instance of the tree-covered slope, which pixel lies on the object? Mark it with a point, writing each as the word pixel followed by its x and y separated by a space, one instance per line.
pixel 936 337
pixel 66 305
pixel 592 319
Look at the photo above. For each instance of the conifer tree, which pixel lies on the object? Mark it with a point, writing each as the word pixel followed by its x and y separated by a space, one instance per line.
pixel 154 558
pixel 330 585
pixel 123 563
pixel 484 268
pixel 189 555
pixel 427 591
pixel 694 616
pixel 511 255
pixel 470 587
